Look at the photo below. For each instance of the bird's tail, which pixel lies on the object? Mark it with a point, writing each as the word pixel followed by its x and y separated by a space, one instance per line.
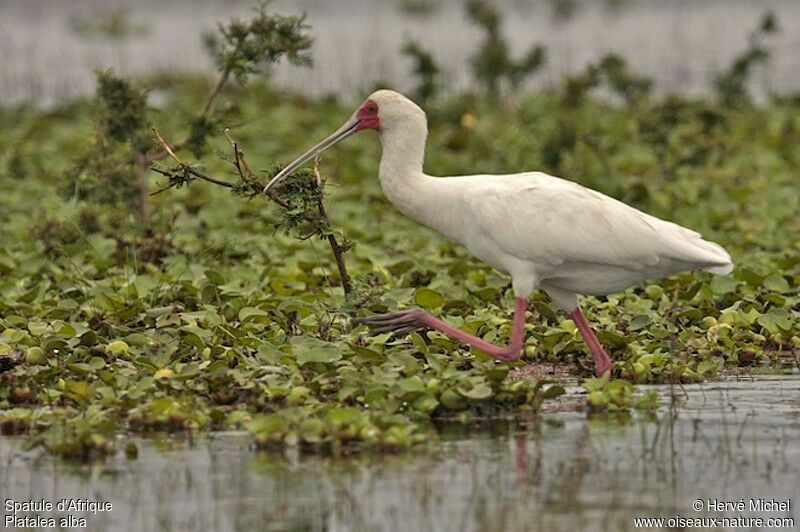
pixel 720 254
pixel 690 247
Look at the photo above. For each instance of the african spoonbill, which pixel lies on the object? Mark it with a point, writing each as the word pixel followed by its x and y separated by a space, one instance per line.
pixel 545 232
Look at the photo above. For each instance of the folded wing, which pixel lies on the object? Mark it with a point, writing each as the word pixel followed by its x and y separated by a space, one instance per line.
pixel 547 220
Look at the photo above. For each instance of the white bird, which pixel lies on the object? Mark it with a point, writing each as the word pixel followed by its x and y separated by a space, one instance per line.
pixel 545 232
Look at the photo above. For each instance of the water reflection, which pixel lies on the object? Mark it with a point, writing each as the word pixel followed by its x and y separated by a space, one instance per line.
pixel 726 441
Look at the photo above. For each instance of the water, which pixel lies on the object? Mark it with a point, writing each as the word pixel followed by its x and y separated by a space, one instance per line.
pixel 680 43
pixel 732 440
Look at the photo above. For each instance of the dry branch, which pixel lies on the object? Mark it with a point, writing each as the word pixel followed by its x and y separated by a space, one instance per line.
pixel 184 173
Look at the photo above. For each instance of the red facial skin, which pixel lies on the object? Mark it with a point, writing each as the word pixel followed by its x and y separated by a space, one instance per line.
pixel 367 116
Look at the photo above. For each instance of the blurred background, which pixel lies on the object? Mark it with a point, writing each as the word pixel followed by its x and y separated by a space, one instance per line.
pixel 49 48
pixel 157 326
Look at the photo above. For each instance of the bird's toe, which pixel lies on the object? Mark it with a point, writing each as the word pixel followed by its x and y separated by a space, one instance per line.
pixel 399 323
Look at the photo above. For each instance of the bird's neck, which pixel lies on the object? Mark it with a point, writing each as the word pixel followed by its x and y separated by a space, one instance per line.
pixel 403 153
pixel 403 181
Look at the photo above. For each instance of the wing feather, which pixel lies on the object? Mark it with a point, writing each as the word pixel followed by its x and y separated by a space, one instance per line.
pixel 540 218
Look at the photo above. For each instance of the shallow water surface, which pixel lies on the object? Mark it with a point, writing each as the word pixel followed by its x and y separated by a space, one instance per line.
pixel 731 440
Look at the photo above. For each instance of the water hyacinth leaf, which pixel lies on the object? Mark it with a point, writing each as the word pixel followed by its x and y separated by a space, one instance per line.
pixel 723 284
pixel 270 354
pixel 497 374
pixel 426 403
pixel 775 321
pixel 96 363
pixel 343 416
pixel 253 314
pixel 749 276
pixel 553 391
pixel 163 374
pixel 638 323
pixel 428 299
pixel 38 328
pixel 54 344
pixel 307 350
pixel 452 400
pixel 187 371
pixel 215 277
pixel 410 387
pixel 776 283
pixel 226 320
pixel 480 391
pixel 311 430
pixel 138 340
pixel 346 392
pixel 366 353
pixel 162 405
pixel 80 391
pixel 117 347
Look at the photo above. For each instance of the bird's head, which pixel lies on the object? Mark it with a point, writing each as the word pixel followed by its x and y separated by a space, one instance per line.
pixel 383 110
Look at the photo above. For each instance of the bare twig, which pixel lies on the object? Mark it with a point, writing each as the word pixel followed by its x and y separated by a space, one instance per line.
pixel 154 156
pixel 224 75
pixel 183 173
pixel 277 200
pixel 248 176
pixel 166 146
pixel 183 169
pixel 222 80
pixel 336 248
pixel 238 158
pixel 210 179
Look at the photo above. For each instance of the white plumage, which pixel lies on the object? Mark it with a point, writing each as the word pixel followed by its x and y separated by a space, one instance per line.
pixel 545 232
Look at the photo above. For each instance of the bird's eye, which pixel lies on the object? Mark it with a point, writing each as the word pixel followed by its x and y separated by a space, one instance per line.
pixel 372 109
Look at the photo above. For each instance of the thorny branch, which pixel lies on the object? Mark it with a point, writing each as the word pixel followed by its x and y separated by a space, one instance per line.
pixel 166 150
pixel 152 157
pixel 336 248
pixel 183 173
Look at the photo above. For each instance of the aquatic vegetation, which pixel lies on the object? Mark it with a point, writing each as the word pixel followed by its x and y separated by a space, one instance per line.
pixel 616 395
pixel 238 325
pixel 114 170
pixel 731 84
pixel 611 72
pixel 492 65
pixel 115 24
pixel 426 70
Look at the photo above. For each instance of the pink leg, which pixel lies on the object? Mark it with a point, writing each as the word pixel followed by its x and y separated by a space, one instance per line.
pixel 411 319
pixel 602 363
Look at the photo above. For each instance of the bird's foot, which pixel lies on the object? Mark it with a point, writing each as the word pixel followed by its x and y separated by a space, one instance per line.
pixel 397 323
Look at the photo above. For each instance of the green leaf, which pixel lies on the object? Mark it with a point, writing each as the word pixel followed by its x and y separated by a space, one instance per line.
pixel 428 299
pixel 553 391
pixel 117 347
pixel 215 277
pixel 777 283
pixel 96 363
pixel 775 320
pixel 252 314
pixel 270 354
pixel 723 284
pixel 480 391
pixel 307 350
pixel 639 323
